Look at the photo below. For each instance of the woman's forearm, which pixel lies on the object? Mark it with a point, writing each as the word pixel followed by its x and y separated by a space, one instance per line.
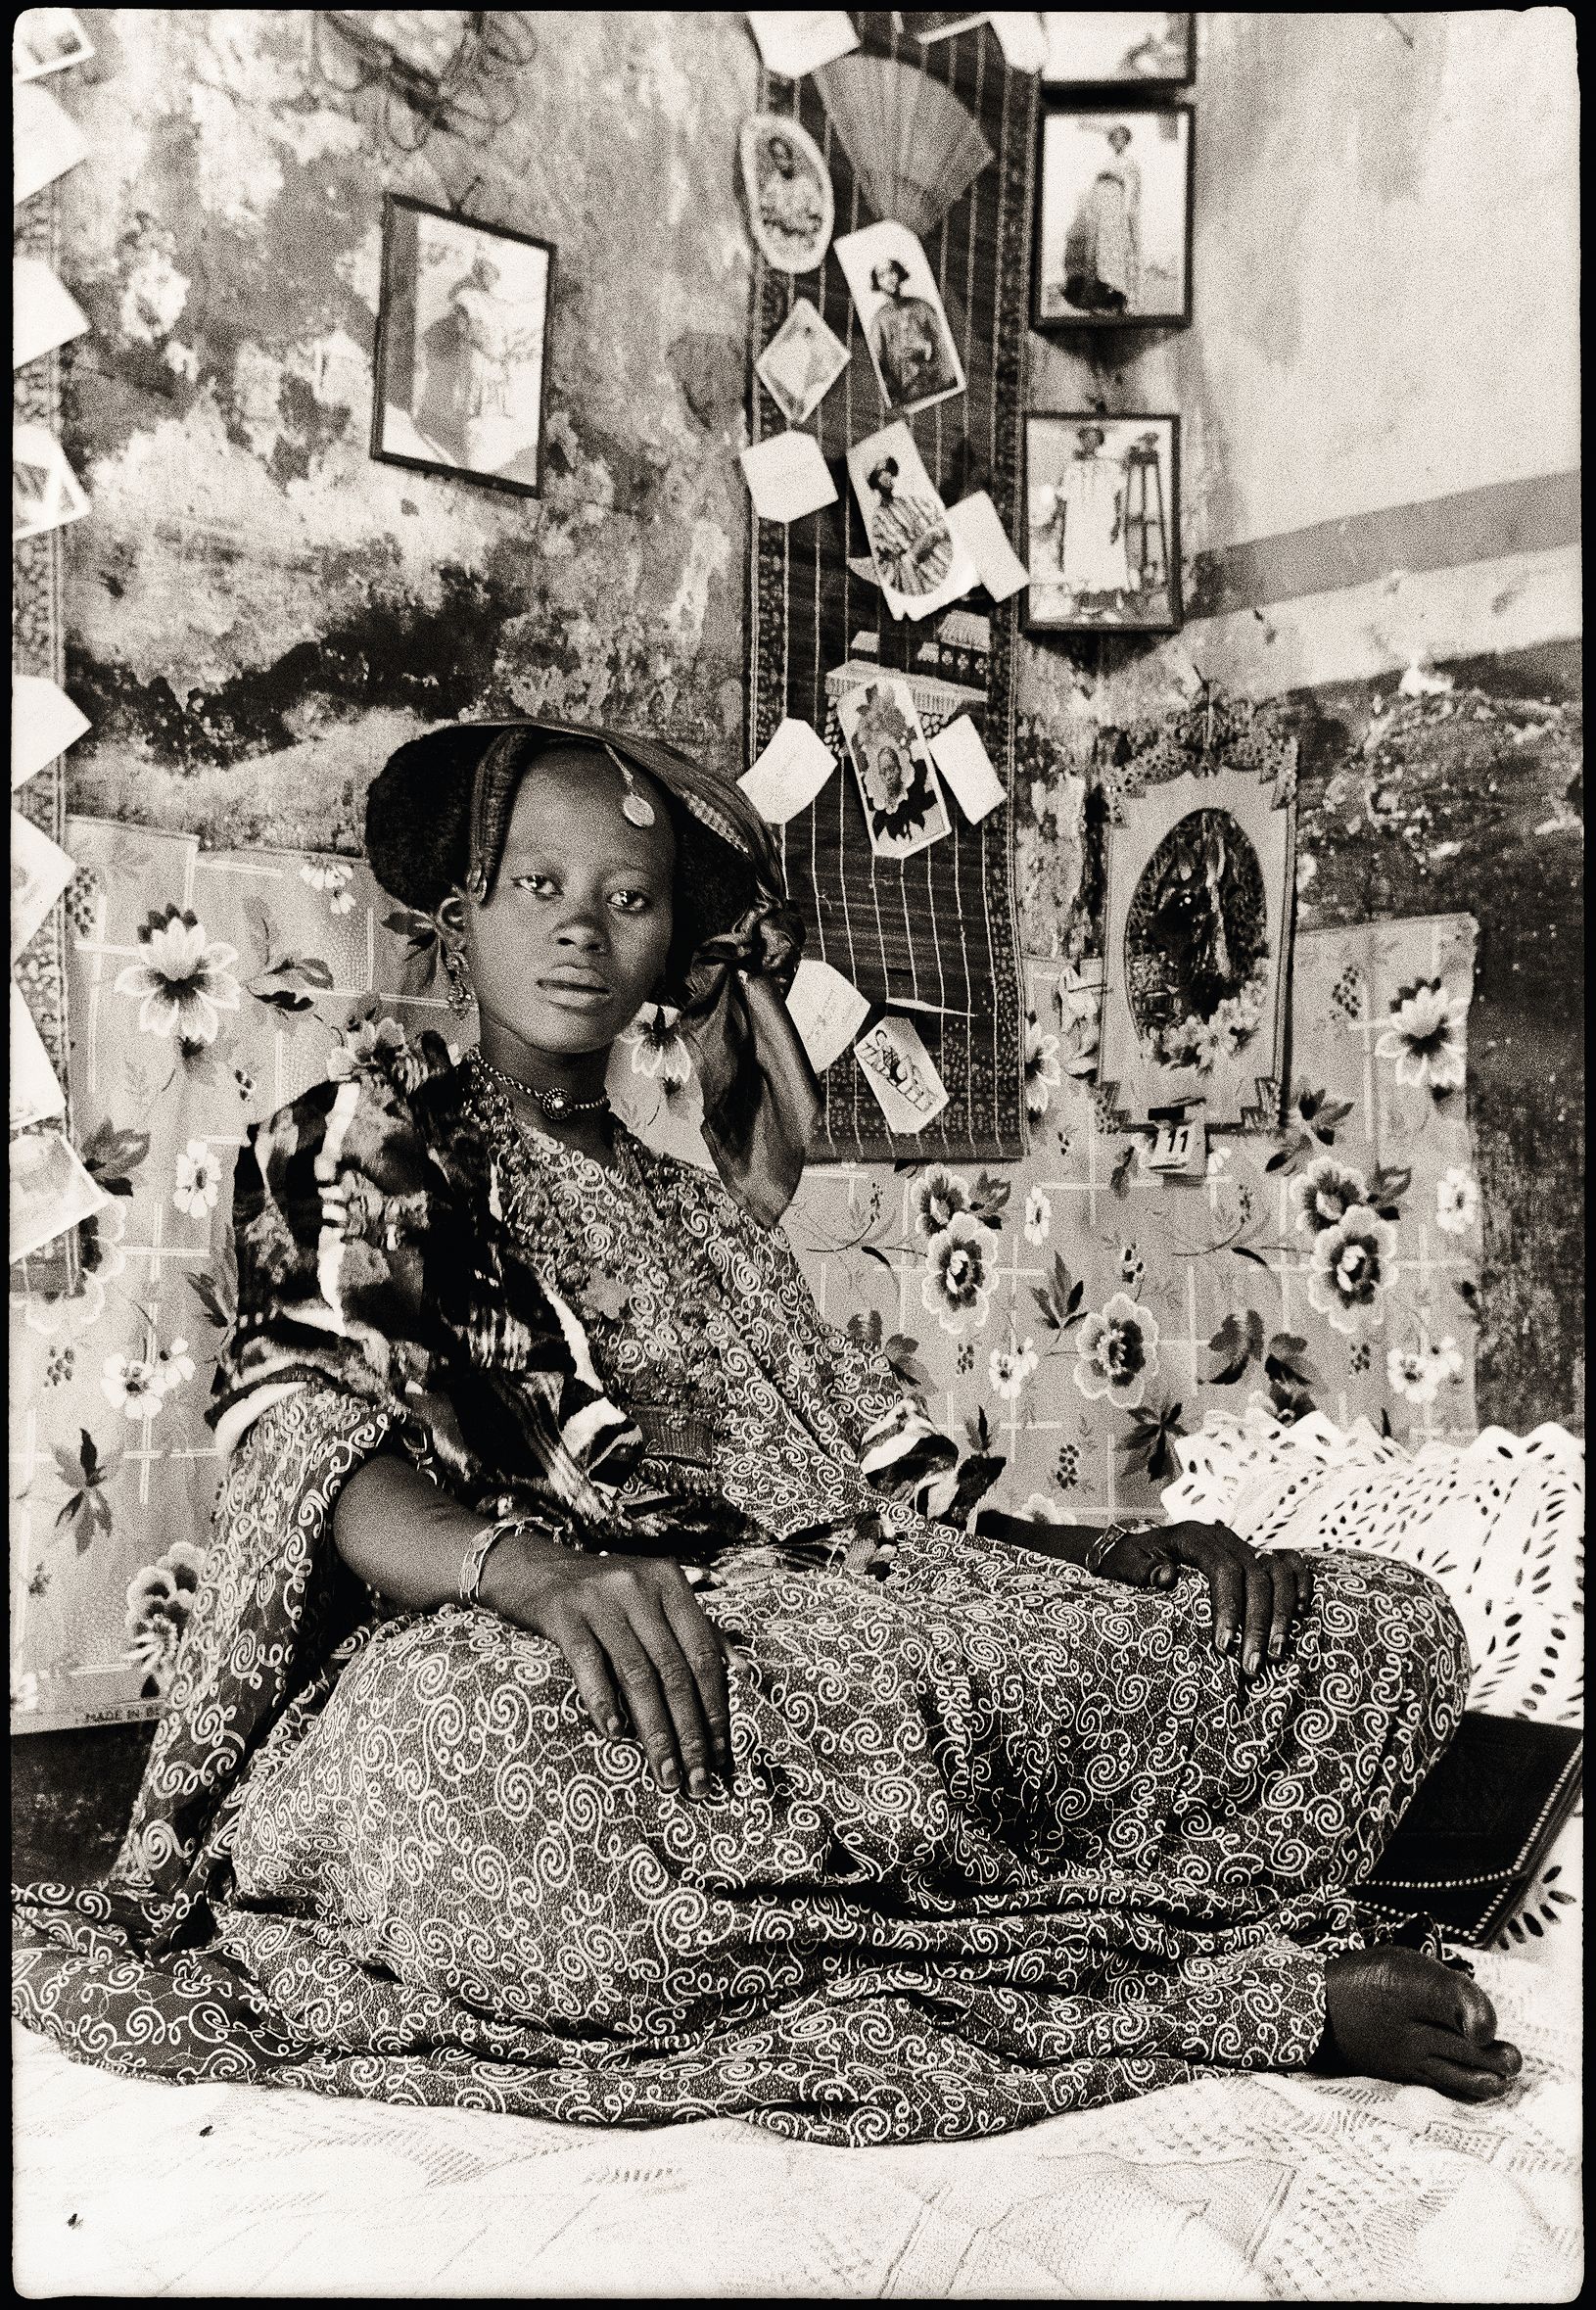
pixel 406 1538
pixel 1069 1541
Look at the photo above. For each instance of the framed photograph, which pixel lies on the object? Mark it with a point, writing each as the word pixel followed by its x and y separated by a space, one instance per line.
pixel 920 564
pixel 903 806
pixel 1103 523
pixel 1119 47
pixel 461 348
pixel 900 311
pixel 791 208
pixel 1198 880
pixel 802 362
pixel 1114 225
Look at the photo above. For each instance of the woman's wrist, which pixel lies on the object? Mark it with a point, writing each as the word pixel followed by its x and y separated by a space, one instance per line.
pixel 515 1568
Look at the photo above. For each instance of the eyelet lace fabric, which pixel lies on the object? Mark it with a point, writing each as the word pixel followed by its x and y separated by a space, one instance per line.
pixel 1497 1523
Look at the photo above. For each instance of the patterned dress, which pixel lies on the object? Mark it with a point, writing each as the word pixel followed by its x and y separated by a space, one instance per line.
pixel 1005 1839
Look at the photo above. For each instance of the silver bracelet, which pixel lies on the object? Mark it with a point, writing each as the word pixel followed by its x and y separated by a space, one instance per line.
pixel 1107 1541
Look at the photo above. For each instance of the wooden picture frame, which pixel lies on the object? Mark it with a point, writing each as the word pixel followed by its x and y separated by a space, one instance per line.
pixel 460 369
pixel 1113 242
pixel 1166 61
pixel 1126 577
pixel 1199 882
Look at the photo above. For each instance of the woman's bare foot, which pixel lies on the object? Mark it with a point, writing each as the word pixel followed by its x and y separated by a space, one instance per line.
pixel 1395 2013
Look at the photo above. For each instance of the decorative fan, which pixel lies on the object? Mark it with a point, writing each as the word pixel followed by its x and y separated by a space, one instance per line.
pixel 914 147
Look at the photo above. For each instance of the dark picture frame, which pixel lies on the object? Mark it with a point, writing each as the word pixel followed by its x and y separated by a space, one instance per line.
pixel 1157 77
pixel 1107 227
pixel 451 385
pixel 1140 535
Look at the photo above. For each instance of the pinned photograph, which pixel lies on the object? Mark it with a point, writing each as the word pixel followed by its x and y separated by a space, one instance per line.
pixel 45 491
pixel 40 871
pixel 461 348
pixel 45 142
pixel 1114 231
pixel 801 363
pixel 903 806
pixel 900 311
pixel 50 1191
pixel 793 41
pixel 47 40
pixel 788 190
pixel 43 313
pixel 1116 47
pixel 920 564
pixel 1103 517
pixel 902 1073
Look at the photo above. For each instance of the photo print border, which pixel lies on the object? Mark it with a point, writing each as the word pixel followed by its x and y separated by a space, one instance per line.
pixel 1035 622
pixel 1242 1088
pixel 1098 103
pixel 1151 81
pixel 395 205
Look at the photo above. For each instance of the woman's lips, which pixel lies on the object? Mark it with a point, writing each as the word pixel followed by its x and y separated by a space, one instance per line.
pixel 577 994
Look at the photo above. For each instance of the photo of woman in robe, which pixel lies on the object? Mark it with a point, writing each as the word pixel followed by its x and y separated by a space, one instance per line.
pixel 1089 523
pixel 472 356
pixel 910 536
pixel 790 204
pixel 1103 247
pixel 909 338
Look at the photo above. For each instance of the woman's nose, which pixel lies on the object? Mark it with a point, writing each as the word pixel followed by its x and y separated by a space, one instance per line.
pixel 581 929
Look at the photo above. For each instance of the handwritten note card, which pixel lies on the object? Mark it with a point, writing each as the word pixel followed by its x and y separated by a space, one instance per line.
pixel 975 525
pixel 827 1009
pixel 44 723
pixel 793 41
pixel 789 773
pixel 966 766
pixel 43 315
pixel 787 477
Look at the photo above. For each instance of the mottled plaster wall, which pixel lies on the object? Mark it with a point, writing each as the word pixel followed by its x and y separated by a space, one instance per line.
pixel 258 611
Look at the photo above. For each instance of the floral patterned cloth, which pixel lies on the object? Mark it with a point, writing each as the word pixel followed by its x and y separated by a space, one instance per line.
pixel 1003 1839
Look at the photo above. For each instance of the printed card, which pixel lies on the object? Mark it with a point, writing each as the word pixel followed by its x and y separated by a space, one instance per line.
pixel 900 312
pixel 827 1009
pixel 34 1094
pixel 44 723
pixel 50 1191
pixel 789 773
pixel 1179 1145
pixel 975 525
pixel 46 142
pixel 903 806
pixel 900 1072
pixel 47 40
pixel 787 477
pixel 43 315
pixel 793 41
pixel 801 363
pixel 958 752
pixel 920 564
pixel 45 491
pixel 40 871
pixel 1022 37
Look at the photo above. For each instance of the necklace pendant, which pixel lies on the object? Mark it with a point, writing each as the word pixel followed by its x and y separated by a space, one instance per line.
pixel 554 1104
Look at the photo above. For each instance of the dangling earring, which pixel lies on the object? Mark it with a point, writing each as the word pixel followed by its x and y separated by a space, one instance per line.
pixel 457 971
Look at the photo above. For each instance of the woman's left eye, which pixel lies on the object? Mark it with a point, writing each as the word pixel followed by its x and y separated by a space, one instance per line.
pixel 629 901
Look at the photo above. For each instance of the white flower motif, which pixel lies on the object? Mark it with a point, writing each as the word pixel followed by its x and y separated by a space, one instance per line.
pixel 1041 1508
pixel 1325 1193
pixel 1417 1373
pixel 1043 1073
pixel 174 1365
pixel 133 1384
pixel 199 1180
pixel 1218 1159
pixel 938 1196
pixel 1457 1200
pixel 1038 1216
pixel 658 1050
pixel 1010 1368
pixel 329 875
pixel 1426 1038
pixel 183 979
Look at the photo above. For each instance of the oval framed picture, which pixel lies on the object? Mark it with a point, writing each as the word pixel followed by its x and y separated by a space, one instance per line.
pixel 791 208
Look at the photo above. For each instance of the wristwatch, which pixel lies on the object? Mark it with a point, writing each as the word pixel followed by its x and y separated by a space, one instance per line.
pixel 1108 1540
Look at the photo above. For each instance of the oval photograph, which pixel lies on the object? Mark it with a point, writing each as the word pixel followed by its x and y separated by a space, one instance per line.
pixel 1196 944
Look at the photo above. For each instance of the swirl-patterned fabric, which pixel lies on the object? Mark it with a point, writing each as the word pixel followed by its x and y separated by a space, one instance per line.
pixel 1004 1840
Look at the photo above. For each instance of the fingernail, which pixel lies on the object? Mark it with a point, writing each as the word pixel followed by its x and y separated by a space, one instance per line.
pixel 669 1774
pixel 612 1725
pixel 1277 1648
pixel 698 1780
pixel 1251 1660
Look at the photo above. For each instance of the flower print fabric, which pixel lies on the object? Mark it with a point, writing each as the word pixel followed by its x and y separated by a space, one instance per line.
pixel 1003 1839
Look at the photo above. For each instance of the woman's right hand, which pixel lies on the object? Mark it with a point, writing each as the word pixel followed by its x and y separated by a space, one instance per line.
pixel 639 1645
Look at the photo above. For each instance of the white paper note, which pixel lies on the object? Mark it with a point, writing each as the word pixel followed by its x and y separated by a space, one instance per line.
pixel 789 773
pixel 34 1094
pixel 794 42
pixel 827 1009
pixel 45 142
pixel 787 477
pixel 50 1191
pixel 40 871
pixel 1022 37
pixel 43 315
pixel 966 766
pixel 45 491
pixel 902 1074
pixel 44 723
pixel 974 522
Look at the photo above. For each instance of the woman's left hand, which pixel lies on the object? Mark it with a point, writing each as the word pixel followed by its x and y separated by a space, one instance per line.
pixel 1256 1596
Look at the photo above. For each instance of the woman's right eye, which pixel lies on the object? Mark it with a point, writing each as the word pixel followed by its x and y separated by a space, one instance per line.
pixel 535 883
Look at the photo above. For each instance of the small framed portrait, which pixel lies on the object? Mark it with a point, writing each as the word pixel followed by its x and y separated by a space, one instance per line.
pixel 802 362
pixel 1113 227
pixel 461 348
pixel 905 809
pixel 791 208
pixel 900 310
pixel 1117 48
pixel 1103 523
pixel 47 40
pixel 1199 880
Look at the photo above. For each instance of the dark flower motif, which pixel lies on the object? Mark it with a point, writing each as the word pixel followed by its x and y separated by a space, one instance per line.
pixel 957 1285
pixel 1425 1037
pixel 1117 1353
pixel 159 1600
pixel 183 979
pixel 1350 1266
pixel 1325 1193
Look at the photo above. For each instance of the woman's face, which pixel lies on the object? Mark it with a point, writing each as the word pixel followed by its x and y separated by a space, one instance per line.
pixel 574 938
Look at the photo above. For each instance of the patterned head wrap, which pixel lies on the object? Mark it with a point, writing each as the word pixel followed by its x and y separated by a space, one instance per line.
pixel 437 818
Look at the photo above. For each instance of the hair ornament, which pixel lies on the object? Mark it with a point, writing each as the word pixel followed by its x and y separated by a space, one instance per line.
pixel 634 803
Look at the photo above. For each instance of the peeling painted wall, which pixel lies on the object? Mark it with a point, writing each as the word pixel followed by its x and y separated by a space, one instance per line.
pixel 258 611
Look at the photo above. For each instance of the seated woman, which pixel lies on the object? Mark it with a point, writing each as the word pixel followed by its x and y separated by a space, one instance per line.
pixel 579 1717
